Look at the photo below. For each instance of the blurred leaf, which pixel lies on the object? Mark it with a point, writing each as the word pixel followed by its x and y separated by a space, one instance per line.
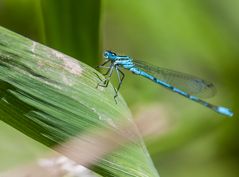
pixel 23 17
pixel 73 27
pixel 52 97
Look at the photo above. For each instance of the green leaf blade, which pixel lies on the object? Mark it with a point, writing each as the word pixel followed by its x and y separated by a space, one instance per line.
pixel 52 97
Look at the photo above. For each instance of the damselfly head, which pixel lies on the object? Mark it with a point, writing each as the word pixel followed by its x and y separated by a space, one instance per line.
pixel 109 55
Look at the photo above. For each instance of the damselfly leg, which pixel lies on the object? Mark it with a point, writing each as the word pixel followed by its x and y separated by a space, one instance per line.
pixel 108 74
pixel 120 75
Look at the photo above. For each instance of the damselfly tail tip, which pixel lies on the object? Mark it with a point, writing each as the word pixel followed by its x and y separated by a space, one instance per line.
pixel 225 111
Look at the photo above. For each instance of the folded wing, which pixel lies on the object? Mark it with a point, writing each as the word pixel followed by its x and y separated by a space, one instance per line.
pixel 185 82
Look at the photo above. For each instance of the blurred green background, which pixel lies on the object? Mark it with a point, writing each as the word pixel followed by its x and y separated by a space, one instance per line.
pixel 194 36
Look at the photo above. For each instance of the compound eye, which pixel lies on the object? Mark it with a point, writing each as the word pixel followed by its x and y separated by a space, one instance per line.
pixel 109 54
pixel 106 54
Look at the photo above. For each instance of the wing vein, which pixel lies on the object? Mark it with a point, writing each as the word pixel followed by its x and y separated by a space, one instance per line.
pixel 185 82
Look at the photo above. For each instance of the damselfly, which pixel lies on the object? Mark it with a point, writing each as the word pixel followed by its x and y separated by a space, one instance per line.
pixel 186 85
